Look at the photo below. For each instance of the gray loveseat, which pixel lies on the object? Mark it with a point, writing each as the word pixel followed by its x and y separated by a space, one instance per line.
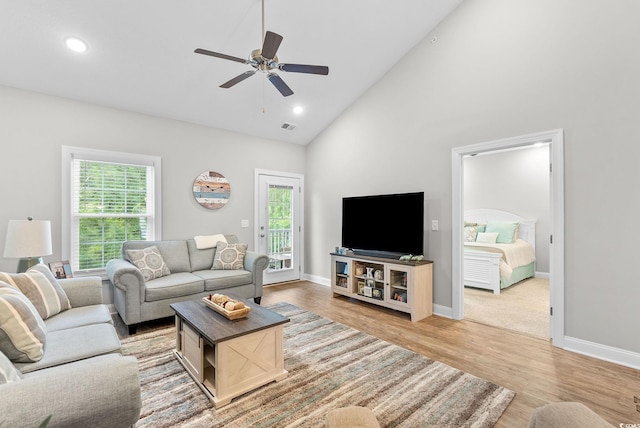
pixel 191 277
pixel 82 379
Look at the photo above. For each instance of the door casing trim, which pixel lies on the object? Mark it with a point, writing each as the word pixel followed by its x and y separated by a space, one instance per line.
pixel 556 260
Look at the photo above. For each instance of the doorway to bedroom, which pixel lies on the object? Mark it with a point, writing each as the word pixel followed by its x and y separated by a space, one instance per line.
pixel 508 187
pixel 505 158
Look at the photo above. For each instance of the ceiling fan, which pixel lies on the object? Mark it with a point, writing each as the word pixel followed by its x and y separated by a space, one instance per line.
pixel 266 61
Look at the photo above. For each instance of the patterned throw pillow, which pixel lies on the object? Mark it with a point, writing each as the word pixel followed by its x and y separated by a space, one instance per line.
pixel 22 330
pixel 150 262
pixel 470 233
pixel 41 288
pixel 229 256
pixel 8 372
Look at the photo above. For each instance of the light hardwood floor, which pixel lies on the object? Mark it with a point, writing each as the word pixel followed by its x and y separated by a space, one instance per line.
pixel 534 369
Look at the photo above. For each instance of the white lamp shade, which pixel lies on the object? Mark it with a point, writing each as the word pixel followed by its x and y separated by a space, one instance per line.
pixel 28 238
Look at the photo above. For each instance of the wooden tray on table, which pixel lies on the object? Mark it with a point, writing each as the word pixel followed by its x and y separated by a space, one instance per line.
pixel 232 315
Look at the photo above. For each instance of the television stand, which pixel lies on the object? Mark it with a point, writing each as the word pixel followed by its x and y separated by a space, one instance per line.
pixel 405 286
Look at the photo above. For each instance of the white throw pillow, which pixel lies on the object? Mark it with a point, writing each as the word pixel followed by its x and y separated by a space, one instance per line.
pixel 209 241
pixel 487 238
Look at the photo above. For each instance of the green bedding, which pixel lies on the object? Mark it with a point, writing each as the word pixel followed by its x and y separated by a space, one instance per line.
pixel 518 274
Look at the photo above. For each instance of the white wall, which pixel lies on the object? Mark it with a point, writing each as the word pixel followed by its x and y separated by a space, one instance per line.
pixel 35 126
pixel 516 181
pixel 503 68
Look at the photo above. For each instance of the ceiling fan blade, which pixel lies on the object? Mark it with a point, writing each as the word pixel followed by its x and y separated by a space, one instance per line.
pixel 270 45
pixel 301 68
pixel 279 84
pixel 238 79
pixel 223 56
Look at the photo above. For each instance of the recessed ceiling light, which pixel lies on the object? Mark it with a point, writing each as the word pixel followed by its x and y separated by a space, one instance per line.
pixel 298 109
pixel 76 44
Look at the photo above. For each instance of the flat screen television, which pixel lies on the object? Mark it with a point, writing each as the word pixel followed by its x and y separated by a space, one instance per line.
pixel 384 225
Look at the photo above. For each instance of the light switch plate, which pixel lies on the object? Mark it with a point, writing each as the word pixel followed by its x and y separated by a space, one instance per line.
pixel 244 223
pixel 434 225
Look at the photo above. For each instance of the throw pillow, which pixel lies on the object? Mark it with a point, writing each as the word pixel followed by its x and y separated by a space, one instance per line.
pixel 41 288
pixel 208 241
pixel 487 238
pixel 506 230
pixel 8 372
pixel 470 233
pixel 229 256
pixel 22 330
pixel 150 262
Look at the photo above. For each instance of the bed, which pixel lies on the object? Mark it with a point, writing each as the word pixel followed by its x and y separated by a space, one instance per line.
pixel 496 266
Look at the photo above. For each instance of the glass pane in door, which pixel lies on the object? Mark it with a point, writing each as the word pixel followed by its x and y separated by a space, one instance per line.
pixel 280 227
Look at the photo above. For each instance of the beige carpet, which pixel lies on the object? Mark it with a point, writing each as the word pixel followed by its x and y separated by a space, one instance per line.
pixel 523 307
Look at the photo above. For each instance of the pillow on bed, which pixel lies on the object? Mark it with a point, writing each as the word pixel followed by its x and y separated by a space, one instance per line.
pixel 487 238
pixel 506 231
pixel 470 233
pixel 481 227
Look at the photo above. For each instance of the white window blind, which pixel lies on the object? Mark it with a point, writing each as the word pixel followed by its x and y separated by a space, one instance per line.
pixel 111 200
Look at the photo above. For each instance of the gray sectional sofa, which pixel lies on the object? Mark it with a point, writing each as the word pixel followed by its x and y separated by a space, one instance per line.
pixel 191 277
pixel 82 380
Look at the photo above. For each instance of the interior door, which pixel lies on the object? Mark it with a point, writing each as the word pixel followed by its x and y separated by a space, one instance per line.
pixel 279 225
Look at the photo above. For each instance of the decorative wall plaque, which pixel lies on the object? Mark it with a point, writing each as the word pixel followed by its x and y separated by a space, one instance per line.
pixel 211 190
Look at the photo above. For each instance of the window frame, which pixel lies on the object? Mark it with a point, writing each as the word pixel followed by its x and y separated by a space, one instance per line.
pixel 68 154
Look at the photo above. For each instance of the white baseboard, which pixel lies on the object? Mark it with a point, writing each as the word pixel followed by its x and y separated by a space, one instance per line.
pixel 579 346
pixel 443 311
pixel 584 347
pixel 602 352
pixel 543 275
pixel 317 279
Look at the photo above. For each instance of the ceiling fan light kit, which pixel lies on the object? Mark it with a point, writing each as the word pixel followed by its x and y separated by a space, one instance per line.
pixel 266 61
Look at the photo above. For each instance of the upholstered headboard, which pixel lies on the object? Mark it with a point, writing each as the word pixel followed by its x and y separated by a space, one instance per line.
pixel 527 231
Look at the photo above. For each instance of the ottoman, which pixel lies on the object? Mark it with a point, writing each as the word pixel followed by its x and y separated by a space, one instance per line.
pixel 566 415
pixel 352 417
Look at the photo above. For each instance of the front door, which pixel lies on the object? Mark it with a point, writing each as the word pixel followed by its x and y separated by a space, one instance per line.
pixel 279 225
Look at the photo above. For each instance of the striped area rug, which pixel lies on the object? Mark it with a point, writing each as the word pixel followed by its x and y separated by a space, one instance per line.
pixel 330 365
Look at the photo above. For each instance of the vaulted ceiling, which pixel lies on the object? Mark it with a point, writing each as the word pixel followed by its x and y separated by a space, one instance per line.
pixel 140 55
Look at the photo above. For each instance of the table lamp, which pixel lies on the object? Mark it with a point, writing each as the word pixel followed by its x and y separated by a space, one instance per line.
pixel 28 240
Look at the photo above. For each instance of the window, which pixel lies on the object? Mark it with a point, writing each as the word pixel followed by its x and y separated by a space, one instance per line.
pixel 108 198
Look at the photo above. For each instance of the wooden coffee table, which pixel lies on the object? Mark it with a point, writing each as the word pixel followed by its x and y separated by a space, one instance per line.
pixel 225 357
